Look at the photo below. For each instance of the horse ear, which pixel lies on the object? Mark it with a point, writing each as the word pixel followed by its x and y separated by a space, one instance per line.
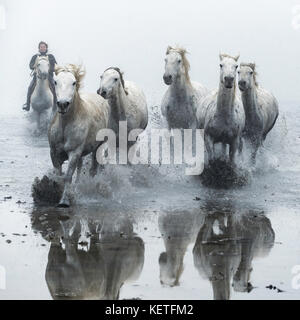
pixel 169 49
pixel 221 56
pixel 236 58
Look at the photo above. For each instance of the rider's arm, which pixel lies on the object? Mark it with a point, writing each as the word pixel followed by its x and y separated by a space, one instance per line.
pixel 53 62
pixel 32 62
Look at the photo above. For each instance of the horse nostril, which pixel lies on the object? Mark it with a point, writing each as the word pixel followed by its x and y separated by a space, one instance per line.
pixel 63 105
pixel 242 83
pixel 229 79
pixel 167 78
pixel 103 93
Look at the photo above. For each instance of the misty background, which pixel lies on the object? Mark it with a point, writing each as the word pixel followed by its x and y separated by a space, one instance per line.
pixel 134 35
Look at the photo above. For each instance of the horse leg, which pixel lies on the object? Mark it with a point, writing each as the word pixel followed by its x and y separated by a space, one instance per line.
pixel 241 147
pixel 74 157
pixel 79 169
pixel 224 151
pixel 57 163
pixel 233 148
pixel 38 121
pixel 254 153
pixel 209 145
pixel 94 167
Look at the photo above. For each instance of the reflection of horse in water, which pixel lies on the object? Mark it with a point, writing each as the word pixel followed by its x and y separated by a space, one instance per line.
pixel 90 259
pixel 258 239
pixel 178 229
pixel 226 246
pixel 73 273
pixel 123 253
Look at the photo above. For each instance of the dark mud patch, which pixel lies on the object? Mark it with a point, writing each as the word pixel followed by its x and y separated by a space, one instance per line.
pixel 46 191
pixel 221 175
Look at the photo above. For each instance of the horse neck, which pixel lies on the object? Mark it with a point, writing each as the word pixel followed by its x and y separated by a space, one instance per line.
pixel 181 86
pixel 42 84
pixel 249 98
pixel 225 102
pixel 118 103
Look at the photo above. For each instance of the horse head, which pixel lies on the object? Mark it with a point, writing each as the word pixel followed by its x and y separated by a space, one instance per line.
pixel 41 67
pixel 67 83
pixel 247 76
pixel 176 66
pixel 228 68
pixel 111 80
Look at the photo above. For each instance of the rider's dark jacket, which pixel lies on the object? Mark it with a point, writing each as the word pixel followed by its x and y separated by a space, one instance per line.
pixel 51 58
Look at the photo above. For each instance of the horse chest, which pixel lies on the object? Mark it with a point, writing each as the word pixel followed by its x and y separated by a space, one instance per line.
pixel 41 97
pixel 221 130
pixel 181 113
pixel 66 139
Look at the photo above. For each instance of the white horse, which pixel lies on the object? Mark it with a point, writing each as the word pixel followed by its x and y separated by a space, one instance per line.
pixel 178 229
pixel 181 101
pixel 73 131
pixel 261 108
pixel 127 102
pixel 224 117
pixel 42 97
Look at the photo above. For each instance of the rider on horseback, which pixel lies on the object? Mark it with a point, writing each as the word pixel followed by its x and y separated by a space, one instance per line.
pixel 43 51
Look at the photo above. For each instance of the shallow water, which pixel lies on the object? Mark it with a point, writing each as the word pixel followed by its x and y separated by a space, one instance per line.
pixel 150 233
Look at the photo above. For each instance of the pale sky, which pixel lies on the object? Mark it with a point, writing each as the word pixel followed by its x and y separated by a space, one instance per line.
pixel 134 35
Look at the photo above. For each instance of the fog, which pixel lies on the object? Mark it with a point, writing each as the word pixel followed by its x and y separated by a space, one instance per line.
pixel 134 35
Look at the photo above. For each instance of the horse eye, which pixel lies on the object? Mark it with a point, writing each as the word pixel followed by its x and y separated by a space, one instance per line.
pixel 179 61
pixel 55 83
pixel 116 79
pixel 221 66
pixel 74 83
pixel 251 73
pixel 239 72
pixel 236 67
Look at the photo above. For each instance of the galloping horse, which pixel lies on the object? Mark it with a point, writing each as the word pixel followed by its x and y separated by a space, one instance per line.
pixel 42 97
pixel 225 117
pixel 261 108
pixel 127 103
pixel 181 101
pixel 73 131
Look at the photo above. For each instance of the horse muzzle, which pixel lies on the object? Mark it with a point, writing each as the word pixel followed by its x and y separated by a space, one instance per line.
pixel 242 85
pixel 168 79
pixel 229 81
pixel 63 107
pixel 43 76
pixel 103 93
